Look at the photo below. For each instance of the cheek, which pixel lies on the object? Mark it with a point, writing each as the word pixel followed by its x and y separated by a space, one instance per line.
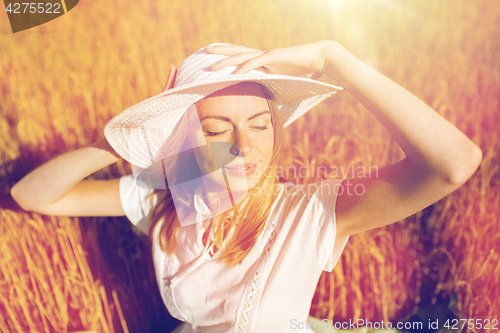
pixel 267 144
pixel 197 138
pixel 203 159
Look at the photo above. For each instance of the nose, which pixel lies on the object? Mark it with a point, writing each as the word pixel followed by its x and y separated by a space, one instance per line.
pixel 241 144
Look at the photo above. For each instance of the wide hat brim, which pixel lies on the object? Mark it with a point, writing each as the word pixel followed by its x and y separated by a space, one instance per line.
pixel 138 133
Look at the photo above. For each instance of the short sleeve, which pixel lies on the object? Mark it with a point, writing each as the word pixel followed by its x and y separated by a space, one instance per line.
pixel 328 246
pixel 137 207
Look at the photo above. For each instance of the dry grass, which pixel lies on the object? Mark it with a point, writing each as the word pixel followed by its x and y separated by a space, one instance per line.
pixel 62 81
pixel 46 280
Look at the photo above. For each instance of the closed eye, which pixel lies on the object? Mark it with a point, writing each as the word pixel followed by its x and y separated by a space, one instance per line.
pixel 261 128
pixel 214 133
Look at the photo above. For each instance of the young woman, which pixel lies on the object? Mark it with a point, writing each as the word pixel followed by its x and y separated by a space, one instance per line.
pixel 234 250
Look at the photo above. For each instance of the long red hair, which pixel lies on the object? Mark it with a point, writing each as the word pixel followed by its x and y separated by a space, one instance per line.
pixel 248 221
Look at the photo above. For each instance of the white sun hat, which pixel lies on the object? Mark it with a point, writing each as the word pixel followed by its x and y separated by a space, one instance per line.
pixel 138 133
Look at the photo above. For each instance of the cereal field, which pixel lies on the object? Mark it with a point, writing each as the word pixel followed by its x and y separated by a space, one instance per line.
pixel 62 81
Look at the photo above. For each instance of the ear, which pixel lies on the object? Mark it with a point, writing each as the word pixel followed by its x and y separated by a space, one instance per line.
pixel 171 78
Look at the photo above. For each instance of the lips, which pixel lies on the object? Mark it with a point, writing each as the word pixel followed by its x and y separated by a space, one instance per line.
pixel 242 169
pixel 242 166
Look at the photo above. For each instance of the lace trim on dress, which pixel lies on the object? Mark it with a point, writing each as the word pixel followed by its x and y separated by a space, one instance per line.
pixel 245 317
pixel 246 310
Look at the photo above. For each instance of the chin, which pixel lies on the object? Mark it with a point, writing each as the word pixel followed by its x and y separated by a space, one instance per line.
pixel 238 185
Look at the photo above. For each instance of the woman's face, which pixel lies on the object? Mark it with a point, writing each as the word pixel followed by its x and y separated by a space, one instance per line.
pixel 239 115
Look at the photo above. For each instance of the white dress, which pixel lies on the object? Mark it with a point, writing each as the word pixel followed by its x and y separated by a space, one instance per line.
pixel 272 289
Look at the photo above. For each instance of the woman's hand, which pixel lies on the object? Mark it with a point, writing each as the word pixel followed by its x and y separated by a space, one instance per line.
pixel 171 78
pixel 306 60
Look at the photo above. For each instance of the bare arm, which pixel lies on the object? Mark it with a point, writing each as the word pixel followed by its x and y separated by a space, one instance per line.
pixel 431 144
pixel 57 187
pixel 439 158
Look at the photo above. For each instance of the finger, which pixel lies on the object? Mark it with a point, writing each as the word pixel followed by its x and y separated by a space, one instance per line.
pixel 253 63
pixel 171 78
pixel 229 49
pixel 234 60
pixel 172 82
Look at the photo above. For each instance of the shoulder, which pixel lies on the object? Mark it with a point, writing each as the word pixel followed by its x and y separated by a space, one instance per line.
pixel 313 199
pixel 136 201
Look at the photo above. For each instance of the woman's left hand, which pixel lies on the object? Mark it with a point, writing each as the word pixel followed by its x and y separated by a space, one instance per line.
pixel 306 60
pixel 171 78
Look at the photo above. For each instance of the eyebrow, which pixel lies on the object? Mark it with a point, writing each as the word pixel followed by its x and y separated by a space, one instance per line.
pixel 229 120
